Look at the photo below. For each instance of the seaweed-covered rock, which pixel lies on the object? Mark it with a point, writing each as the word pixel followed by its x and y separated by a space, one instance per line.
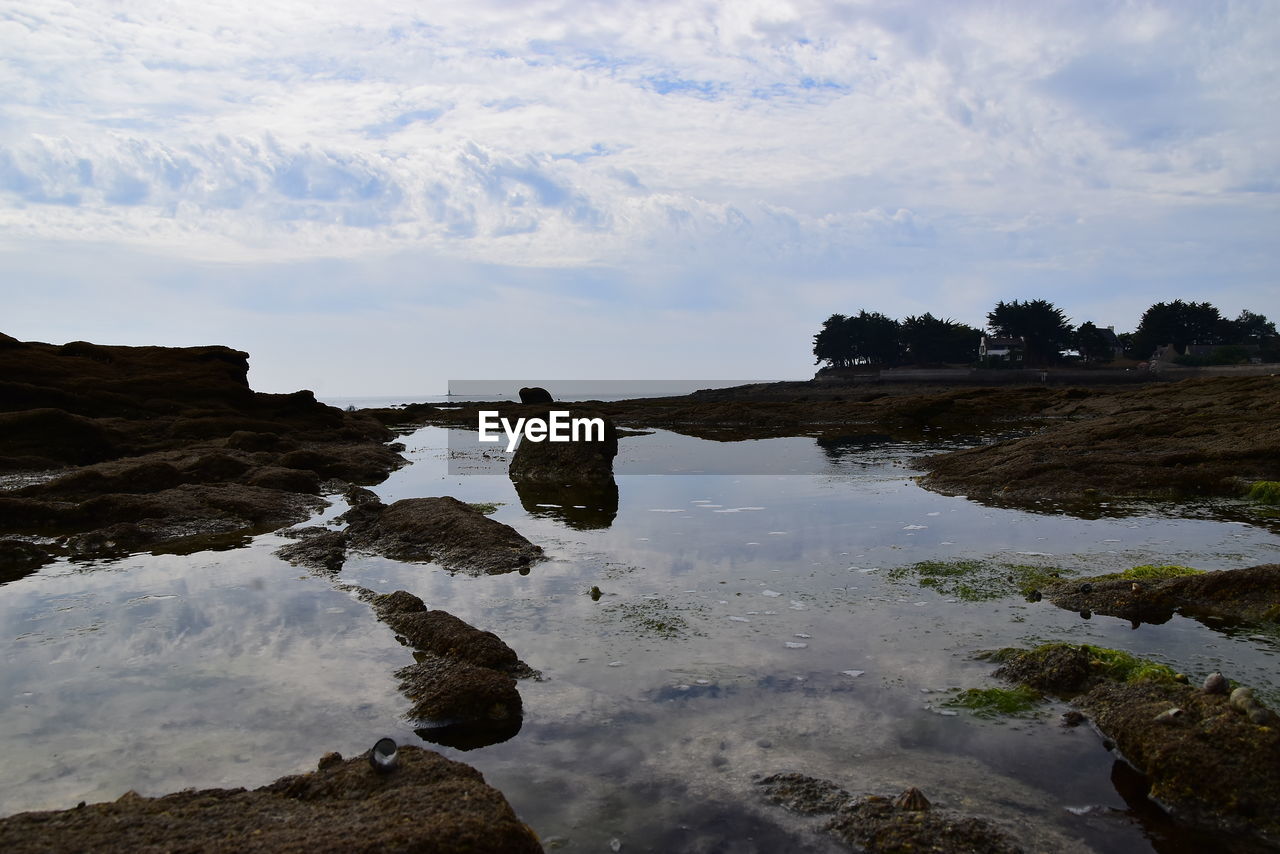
pixel 1250 594
pixel 18 558
pixel 454 691
pixel 1211 762
pixel 316 548
pixel 443 530
pixel 874 823
pixel 441 633
pixel 427 804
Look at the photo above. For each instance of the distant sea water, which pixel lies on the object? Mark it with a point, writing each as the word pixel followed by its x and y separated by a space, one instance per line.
pixel 461 391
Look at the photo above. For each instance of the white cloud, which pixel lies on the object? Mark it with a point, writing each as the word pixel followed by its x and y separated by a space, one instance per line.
pixel 924 155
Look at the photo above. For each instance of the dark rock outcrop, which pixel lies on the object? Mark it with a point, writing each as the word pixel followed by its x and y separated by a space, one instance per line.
pixel 588 460
pixel 426 804
pixel 316 548
pixel 535 394
pixel 442 530
pixel 170 441
pixel 878 823
pixel 1251 594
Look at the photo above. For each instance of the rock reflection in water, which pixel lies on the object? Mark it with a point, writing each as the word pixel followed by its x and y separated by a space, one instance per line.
pixel 581 506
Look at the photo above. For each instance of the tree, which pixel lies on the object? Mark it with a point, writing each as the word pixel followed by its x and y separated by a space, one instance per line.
pixel 1094 344
pixel 1254 328
pixel 831 344
pixel 930 340
pixel 1044 328
pixel 1178 323
pixel 869 338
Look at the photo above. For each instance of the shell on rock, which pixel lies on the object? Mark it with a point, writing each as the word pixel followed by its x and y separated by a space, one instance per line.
pixel 1168 716
pixel 1261 716
pixel 1216 683
pixel 384 757
pixel 1242 699
pixel 912 799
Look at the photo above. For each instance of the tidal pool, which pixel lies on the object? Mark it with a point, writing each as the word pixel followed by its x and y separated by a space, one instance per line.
pixel 750 622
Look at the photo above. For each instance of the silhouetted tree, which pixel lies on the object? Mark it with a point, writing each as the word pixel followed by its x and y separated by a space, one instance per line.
pixel 1252 328
pixel 930 340
pixel 1043 327
pixel 868 338
pixel 1179 323
pixel 1094 345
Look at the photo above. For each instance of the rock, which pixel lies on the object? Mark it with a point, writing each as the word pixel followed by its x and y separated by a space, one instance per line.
pixel 428 803
pixel 317 548
pixel 802 794
pixel 873 823
pixel 572 462
pixel 454 691
pixel 1213 767
pixel 443 634
pixel 535 394
pixel 1250 594
pixel 330 759
pixel 286 479
pixel 445 531
pixel 1216 683
pixel 18 557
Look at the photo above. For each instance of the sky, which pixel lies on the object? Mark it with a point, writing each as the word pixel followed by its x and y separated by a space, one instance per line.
pixel 377 198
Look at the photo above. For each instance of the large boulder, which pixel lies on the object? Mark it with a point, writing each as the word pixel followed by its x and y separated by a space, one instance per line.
pixel 535 394
pixel 425 804
pixel 582 461
pixel 441 530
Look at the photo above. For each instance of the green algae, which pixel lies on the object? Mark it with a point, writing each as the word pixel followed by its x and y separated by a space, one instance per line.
pixel 975 580
pixel 485 507
pixel 1265 491
pixel 1070 668
pixel 1150 572
pixel 992 702
pixel 652 618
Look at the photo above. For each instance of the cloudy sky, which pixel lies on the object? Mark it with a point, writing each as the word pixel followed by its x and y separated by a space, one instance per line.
pixel 374 198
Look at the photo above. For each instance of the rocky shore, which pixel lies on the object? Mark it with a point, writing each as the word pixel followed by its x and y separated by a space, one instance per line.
pixel 423 803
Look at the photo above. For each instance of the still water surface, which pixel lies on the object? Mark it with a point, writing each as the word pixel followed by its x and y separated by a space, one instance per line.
pixel 749 624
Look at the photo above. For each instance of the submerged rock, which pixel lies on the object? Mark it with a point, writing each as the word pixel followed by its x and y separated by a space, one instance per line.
pixel 905 823
pixel 317 548
pixel 442 634
pixel 441 530
pixel 425 804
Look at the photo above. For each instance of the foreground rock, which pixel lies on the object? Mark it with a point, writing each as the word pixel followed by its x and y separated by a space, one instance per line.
pixel 1192 438
pixel 1251 594
pixel 426 804
pixel 121 449
pixel 875 823
pixel 1212 759
pixel 440 530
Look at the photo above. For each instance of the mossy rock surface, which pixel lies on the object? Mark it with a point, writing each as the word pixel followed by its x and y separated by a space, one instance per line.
pixel 1019 700
pixel 1209 763
pixel 978 580
pixel 1265 491
pixel 1153 594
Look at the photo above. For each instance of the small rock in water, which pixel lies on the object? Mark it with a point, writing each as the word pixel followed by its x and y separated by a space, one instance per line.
pixel 1216 683
pixel 615 844
pixel 1072 718
pixel 384 757
pixel 595 593
pixel 912 799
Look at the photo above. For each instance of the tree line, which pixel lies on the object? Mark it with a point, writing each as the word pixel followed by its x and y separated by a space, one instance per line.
pixel 1045 334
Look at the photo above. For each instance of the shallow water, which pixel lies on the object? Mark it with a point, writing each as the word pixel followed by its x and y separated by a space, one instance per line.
pixel 733 606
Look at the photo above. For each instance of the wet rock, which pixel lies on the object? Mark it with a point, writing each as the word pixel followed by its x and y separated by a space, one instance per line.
pixel 581 461
pixel 1251 594
pixel 48 438
pixel 1212 766
pixel 112 541
pixel 317 548
pixel 874 823
pixel 443 530
pixel 19 558
pixel 452 690
pixel 441 633
pixel 803 794
pixel 535 394
pixel 1072 718
pixel 285 479
pixel 428 804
